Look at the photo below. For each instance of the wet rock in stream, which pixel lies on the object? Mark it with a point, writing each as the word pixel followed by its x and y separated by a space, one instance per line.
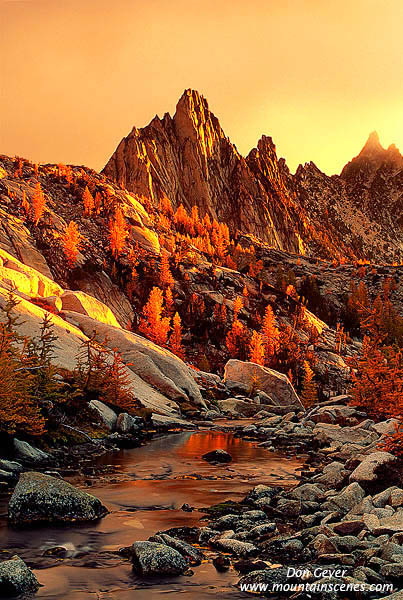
pixel 16 578
pixel 151 559
pixel 40 498
pixel 217 456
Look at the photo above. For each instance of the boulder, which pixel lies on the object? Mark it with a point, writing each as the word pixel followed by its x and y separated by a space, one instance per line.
pixel 260 492
pixel 107 416
pixel 10 465
pixel 168 422
pixel 372 467
pixel 333 475
pixel 16 578
pixel 151 559
pixel 382 498
pixel 22 278
pixel 349 527
pixel 274 384
pixel 267 577
pixel 40 498
pixel 327 433
pixel 126 424
pixel 349 497
pixel 393 571
pixel 28 453
pixel 309 492
pixel 244 549
pixel 396 498
pixel 390 525
pixel 217 456
pixel 85 304
pixel 237 407
pixel 100 286
pixel 385 427
pixel 188 551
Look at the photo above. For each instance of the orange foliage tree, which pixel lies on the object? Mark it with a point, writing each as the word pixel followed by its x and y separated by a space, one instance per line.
pixel 153 324
pixel 88 201
pixel 270 334
pixel 117 233
pixel 165 271
pixel 175 341
pixel 38 204
pixel 256 349
pixel 71 243
pixel 377 375
pixel 309 394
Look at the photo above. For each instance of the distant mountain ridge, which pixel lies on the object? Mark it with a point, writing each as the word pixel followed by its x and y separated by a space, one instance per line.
pixel 189 159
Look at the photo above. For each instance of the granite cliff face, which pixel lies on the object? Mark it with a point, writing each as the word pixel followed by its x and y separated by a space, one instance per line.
pixel 189 159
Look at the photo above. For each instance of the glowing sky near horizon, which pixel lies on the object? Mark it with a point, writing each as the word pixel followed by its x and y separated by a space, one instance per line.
pixel 318 76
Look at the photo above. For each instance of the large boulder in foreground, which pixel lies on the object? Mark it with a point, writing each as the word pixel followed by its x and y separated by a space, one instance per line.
pixel 273 383
pixel 151 559
pixel 16 578
pixel 39 498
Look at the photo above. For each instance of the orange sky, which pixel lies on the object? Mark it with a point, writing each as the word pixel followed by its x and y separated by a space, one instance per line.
pixel 316 75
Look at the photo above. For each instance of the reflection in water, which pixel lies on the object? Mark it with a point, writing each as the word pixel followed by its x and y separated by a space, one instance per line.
pixel 150 485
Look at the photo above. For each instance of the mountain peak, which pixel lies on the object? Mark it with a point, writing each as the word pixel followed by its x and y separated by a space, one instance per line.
pixel 192 101
pixel 372 145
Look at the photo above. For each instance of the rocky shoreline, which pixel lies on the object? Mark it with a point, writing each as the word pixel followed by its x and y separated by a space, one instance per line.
pixel 342 525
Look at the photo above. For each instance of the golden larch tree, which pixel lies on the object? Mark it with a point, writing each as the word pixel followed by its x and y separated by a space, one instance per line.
pixel 309 394
pixel 165 271
pixel 71 243
pixel 238 305
pixel 153 324
pixel 38 204
pixel 88 202
pixel 256 349
pixel 175 341
pixel 117 233
pixel 270 333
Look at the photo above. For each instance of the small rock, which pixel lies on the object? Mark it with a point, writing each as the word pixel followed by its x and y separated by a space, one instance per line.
pixel 221 563
pixel 190 553
pixel 348 527
pixel 11 465
pixel 217 456
pixel 393 571
pixel 349 497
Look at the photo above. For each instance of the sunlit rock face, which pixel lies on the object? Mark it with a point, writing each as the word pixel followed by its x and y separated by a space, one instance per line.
pixel 189 159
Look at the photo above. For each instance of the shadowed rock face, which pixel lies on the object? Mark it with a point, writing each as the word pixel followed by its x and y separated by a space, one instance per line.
pixel 363 207
pixel 39 498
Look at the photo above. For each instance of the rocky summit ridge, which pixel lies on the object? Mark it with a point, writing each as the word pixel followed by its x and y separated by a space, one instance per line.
pixel 189 159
